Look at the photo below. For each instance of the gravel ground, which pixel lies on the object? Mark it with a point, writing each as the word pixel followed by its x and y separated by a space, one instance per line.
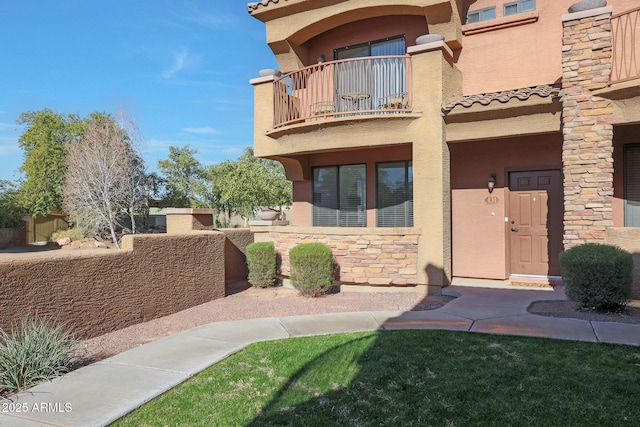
pixel 245 302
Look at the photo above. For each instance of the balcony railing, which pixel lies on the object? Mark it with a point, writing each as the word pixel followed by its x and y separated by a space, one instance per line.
pixel 347 88
pixel 626 46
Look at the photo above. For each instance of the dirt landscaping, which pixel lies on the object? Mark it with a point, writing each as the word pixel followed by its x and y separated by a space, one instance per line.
pixel 569 309
pixel 245 302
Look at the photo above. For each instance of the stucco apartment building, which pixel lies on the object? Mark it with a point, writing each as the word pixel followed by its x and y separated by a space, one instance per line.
pixel 434 139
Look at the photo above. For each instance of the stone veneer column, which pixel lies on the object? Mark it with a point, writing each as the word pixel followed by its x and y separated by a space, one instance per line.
pixel 587 150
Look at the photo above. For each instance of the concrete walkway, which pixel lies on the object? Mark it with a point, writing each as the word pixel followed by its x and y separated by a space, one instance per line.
pixel 98 394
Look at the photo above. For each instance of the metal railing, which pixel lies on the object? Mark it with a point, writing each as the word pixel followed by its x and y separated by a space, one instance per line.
pixel 626 46
pixel 346 88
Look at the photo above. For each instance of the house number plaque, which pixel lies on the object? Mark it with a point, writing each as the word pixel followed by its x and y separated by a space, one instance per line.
pixel 491 200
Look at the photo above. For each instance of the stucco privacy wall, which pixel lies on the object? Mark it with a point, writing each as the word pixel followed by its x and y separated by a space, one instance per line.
pixel 380 256
pixel 627 238
pixel 587 152
pixel 152 276
pixel 235 251
pixel 185 220
pixel 188 220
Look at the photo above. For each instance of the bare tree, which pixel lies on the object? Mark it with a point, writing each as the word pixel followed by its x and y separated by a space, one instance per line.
pixel 135 182
pixel 104 179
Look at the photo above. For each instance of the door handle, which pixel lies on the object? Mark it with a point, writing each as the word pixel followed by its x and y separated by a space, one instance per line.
pixel 514 229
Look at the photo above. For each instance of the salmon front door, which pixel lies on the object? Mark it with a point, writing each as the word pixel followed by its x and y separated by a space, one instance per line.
pixel 535 222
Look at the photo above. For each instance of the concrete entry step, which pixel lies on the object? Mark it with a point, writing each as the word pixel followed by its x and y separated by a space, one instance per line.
pixel 520 282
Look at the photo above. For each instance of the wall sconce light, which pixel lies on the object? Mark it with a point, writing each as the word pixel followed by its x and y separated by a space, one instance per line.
pixel 491 182
pixel 320 59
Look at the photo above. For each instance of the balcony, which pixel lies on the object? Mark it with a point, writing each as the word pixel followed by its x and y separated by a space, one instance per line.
pixel 626 46
pixel 378 85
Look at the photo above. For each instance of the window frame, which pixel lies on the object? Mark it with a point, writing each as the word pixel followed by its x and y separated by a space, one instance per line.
pixel 518 4
pixel 339 202
pixel 408 220
pixel 481 14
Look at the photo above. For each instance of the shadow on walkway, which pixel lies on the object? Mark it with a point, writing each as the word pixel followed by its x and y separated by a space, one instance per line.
pixel 30 248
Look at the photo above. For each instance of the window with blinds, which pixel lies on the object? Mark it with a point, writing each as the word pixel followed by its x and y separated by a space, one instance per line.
pixel 339 196
pixel 394 194
pixel 632 185
pixel 385 47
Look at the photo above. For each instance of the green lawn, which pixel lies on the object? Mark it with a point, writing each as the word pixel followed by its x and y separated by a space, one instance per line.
pixel 402 378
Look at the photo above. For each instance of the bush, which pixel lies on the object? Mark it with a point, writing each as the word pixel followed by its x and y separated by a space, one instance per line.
pixel 76 233
pixel 10 212
pixel 261 260
pixel 35 351
pixel 311 268
pixel 597 276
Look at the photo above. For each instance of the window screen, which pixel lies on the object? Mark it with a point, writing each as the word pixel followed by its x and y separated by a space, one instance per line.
pixel 394 194
pixel 339 196
pixel 325 197
pixel 632 185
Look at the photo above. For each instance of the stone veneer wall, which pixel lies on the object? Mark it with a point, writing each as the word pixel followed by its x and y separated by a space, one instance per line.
pixel 94 293
pixel 587 152
pixel 388 257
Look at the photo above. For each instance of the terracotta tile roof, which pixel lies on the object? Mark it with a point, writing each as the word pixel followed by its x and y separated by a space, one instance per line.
pixel 523 94
pixel 255 5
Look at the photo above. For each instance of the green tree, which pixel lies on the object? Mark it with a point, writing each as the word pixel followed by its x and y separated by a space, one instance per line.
pixel 183 178
pixel 249 183
pixel 217 196
pixel 10 213
pixel 43 141
pixel 268 184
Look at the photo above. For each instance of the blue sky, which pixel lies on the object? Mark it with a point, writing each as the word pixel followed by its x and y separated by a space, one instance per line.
pixel 179 68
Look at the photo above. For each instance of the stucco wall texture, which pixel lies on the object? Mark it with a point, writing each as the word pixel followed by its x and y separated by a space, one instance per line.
pixel 480 234
pixel 152 276
pixel 627 238
pixel 235 251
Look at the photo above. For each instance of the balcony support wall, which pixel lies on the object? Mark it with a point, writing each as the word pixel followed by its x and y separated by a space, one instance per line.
pixel 263 112
pixel 439 80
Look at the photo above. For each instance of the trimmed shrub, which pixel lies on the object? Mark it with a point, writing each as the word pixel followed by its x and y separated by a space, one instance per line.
pixel 311 268
pixel 35 351
pixel 597 276
pixel 261 260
